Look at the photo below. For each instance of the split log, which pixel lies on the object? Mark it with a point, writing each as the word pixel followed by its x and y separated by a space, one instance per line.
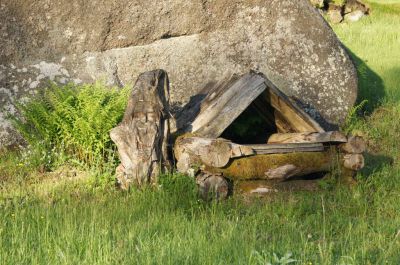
pixel 308 137
pixel 142 136
pixel 354 145
pixel 212 152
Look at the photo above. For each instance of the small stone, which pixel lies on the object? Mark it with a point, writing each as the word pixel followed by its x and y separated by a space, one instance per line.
pixel 335 16
pixel 354 16
pixel 335 13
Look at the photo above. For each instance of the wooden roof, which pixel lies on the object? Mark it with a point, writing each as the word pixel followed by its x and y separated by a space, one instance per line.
pixel 226 100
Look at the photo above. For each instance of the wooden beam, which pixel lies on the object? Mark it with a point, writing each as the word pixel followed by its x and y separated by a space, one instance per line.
pixel 308 137
pixel 262 149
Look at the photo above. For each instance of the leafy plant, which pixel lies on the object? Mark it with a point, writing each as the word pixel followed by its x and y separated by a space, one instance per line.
pixel 353 116
pixel 71 124
pixel 262 258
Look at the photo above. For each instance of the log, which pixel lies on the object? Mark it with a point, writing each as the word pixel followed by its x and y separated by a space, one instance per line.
pixel 354 145
pixel 212 186
pixel 308 137
pixel 142 136
pixel 267 187
pixel 190 150
pixel 277 166
pixel 212 152
pixel 353 161
pixel 285 166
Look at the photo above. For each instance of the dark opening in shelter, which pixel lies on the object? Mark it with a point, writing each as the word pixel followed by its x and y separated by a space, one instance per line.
pixel 253 126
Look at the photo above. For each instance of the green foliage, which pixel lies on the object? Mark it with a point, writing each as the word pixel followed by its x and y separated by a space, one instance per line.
pixel 72 123
pixel 353 116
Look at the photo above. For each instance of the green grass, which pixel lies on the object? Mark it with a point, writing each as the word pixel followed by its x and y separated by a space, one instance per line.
pixel 82 223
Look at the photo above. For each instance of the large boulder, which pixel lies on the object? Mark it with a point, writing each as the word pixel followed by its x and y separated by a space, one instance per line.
pixel 196 42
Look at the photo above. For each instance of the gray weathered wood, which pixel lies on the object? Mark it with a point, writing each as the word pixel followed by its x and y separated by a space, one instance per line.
pixel 211 152
pixel 262 149
pixel 308 137
pixel 224 104
pixel 299 120
pixel 142 136
pixel 220 104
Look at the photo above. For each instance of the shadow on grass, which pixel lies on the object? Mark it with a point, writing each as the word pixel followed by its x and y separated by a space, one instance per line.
pixel 370 85
pixel 374 163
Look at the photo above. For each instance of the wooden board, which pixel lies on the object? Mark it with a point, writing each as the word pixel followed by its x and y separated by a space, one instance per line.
pixel 219 105
pixel 262 149
pixel 308 137
pixel 225 103
pixel 298 119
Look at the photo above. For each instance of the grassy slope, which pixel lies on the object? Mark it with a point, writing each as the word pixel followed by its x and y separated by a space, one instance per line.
pixel 357 226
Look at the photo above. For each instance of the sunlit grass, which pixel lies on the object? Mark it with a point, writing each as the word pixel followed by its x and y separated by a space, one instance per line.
pixel 75 222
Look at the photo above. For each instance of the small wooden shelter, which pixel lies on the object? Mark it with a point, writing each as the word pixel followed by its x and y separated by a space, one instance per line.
pixel 245 129
pixel 242 132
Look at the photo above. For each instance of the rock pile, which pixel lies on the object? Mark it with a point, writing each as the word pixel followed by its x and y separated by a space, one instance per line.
pixel 338 11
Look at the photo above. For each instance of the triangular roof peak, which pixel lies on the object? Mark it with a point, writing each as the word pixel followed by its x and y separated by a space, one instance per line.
pixel 227 99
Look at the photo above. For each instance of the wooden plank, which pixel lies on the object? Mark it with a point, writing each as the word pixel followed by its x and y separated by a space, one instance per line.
pixel 308 137
pixel 225 103
pixel 222 103
pixel 281 124
pixel 299 120
pixel 263 149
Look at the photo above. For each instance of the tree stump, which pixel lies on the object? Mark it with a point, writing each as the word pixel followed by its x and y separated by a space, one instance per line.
pixel 142 136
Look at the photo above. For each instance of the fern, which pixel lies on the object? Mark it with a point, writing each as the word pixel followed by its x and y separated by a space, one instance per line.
pixel 73 121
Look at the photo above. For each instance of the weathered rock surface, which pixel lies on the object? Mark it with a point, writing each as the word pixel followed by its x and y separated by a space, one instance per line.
pixel 196 42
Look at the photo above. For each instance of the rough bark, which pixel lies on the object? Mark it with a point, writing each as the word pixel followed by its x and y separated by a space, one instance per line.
pixel 142 136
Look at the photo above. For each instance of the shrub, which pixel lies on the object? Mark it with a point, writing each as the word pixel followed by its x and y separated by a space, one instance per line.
pixel 72 123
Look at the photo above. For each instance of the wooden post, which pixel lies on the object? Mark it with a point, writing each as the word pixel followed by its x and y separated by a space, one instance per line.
pixel 142 136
